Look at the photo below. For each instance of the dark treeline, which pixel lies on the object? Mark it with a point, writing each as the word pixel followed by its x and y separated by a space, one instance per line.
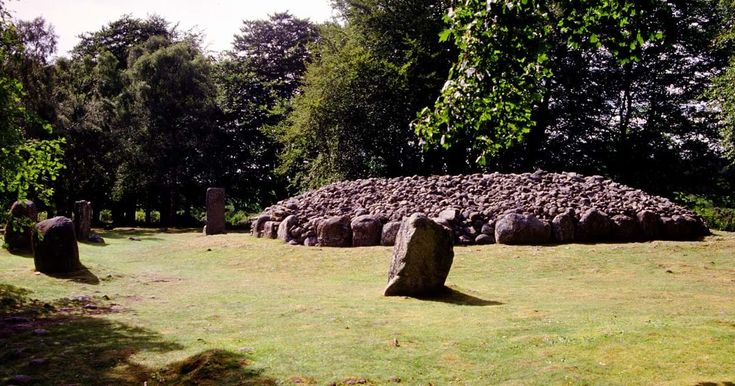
pixel 147 120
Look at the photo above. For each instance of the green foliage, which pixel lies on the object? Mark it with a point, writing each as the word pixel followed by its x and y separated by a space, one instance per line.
pixel 503 69
pixel 361 92
pixel 716 216
pixel 255 82
pixel 723 87
pixel 28 166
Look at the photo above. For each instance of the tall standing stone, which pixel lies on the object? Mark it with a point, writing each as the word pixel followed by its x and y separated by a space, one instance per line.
pixel 215 211
pixel 23 216
pixel 422 257
pixel 82 218
pixel 55 247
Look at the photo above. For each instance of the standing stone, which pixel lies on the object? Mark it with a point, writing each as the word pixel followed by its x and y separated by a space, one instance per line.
pixel 23 216
pixel 82 218
pixel 215 211
pixel 390 231
pixel 366 231
pixel 334 232
pixel 516 228
pixel 422 257
pixel 55 246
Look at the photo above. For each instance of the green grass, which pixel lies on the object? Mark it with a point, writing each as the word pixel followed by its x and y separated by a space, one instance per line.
pixel 185 309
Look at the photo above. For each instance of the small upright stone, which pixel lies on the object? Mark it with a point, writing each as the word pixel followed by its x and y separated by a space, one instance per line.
pixel 82 218
pixel 514 228
pixel 422 257
pixel 366 231
pixel 389 233
pixel 259 224
pixel 23 216
pixel 335 232
pixel 562 226
pixel 55 246
pixel 215 211
pixel 594 225
pixel 286 226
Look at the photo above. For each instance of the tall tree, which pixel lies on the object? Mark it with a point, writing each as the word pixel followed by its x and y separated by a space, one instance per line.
pixel 27 165
pixel 361 92
pixel 256 81
pixel 174 101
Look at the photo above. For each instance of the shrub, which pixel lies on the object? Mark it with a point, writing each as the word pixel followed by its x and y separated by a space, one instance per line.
pixel 716 216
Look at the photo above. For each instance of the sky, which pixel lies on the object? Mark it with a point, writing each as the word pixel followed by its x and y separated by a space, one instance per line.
pixel 218 19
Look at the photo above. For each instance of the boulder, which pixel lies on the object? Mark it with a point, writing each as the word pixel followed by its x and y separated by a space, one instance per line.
pixel 286 226
pixel 334 232
pixel 650 224
pixel 422 257
pixel 311 241
pixel 625 228
pixel 390 231
pixel 482 239
pixel 23 216
pixel 55 247
pixel 450 215
pixel 593 225
pixel 257 227
pixel 366 231
pixel 563 227
pixel 681 228
pixel 270 229
pixel 82 218
pixel 514 228
pixel 215 211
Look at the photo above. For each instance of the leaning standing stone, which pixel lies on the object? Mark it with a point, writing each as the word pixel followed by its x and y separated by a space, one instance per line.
pixel 215 211
pixel 23 216
pixel 82 218
pixel 422 257
pixel 55 246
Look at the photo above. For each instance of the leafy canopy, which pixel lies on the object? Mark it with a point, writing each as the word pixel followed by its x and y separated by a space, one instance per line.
pixel 502 69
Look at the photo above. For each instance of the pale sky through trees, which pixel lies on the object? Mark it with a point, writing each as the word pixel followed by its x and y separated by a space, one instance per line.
pixel 218 19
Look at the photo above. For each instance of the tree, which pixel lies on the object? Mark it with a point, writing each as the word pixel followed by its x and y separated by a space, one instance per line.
pixel 256 82
pixel 173 100
pixel 723 88
pixel 27 166
pixel 502 71
pixel 361 92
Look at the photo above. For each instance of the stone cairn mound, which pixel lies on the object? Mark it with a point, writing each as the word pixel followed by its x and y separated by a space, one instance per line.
pixel 529 208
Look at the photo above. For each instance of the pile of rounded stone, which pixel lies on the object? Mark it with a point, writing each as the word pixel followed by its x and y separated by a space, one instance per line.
pixel 530 208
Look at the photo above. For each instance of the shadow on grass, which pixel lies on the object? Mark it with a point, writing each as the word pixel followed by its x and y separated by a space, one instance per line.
pixel 21 253
pixel 715 384
pixel 126 233
pixel 44 343
pixel 84 276
pixel 453 296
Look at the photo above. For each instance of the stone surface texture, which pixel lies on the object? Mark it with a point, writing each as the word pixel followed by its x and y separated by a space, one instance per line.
pixel 571 206
pixel 215 211
pixel 422 257
pixel 82 218
pixel 23 216
pixel 55 247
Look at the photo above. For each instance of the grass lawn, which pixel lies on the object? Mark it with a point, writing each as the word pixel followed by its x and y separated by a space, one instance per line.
pixel 182 308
